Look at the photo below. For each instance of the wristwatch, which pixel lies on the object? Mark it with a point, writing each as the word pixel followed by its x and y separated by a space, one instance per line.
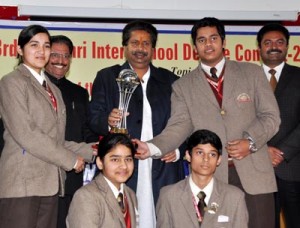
pixel 252 145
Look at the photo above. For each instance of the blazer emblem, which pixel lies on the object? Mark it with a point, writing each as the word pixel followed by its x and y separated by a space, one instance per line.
pixel 243 97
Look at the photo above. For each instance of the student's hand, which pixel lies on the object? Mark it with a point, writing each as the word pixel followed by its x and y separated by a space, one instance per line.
pixel 238 149
pixel 142 150
pixel 169 157
pixel 80 164
pixel 276 156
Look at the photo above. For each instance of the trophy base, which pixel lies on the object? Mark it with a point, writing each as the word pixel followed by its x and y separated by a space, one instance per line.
pixel 119 130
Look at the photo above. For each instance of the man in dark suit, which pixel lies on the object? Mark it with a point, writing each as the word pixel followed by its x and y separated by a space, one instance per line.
pixel 180 205
pixel 236 103
pixel 284 147
pixel 76 100
pixel 149 111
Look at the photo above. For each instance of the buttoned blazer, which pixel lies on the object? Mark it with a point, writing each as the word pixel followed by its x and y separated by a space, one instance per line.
pixel 175 207
pixel 287 139
pixel 94 205
pixel 248 106
pixel 35 153
pixel 105 97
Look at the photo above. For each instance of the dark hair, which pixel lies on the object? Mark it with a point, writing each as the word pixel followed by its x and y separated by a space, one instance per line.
pixel 110 141
pixel 208 22
pixel 61 39
pixel 27 33
pixel 204 137
pixel 139 25
pixel 270 28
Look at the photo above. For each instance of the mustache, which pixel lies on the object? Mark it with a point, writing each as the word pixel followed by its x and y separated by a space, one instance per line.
pixel 59 64
pixel 274 50
pixel 140 53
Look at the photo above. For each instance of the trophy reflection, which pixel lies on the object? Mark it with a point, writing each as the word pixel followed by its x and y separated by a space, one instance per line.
pixel 127 82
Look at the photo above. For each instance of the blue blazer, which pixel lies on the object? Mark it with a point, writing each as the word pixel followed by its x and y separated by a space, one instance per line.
pixel 105 97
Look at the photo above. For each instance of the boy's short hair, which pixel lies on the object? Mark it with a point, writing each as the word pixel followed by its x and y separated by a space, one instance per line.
pixel 204 137
pixel 110 141
pixel 208 22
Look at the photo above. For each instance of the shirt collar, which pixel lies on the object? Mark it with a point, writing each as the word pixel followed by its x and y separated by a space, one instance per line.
pixel 145 77
pixel 207 190
pixel 39 77
pixel 56 81
pixel 114 188
pixel 277 68
pixel 219 67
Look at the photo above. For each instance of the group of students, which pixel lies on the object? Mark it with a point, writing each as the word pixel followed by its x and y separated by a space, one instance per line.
pixel 229 113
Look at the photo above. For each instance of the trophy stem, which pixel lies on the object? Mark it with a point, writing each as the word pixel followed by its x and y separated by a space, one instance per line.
pixel 127 82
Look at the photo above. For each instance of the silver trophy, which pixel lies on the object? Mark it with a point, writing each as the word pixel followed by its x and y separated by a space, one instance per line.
pixel 127 82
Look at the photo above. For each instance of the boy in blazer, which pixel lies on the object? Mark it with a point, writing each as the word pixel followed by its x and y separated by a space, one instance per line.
pixel 235 101
pixel 225 204
pixel 99 204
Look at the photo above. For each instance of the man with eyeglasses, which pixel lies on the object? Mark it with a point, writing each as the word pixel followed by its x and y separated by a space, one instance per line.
pixel 149 111
pixel 76 100
pixel 235 101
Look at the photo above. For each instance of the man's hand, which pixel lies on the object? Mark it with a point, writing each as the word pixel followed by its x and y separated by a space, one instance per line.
pixel 276 156
pixel 80 164
pixel 169 157
pixel 114 117
pixel 238 149
pixel 142 151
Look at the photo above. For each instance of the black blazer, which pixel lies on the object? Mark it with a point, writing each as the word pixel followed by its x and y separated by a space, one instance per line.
pixel 105 97
pixel 287 139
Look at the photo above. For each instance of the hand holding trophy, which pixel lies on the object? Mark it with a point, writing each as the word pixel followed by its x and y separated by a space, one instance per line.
pixel 127 82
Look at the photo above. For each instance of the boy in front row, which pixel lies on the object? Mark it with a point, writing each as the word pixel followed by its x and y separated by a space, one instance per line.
pixel 201 199
pixel 107 201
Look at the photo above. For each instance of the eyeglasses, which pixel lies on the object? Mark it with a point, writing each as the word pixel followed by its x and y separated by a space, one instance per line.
pixel 58 55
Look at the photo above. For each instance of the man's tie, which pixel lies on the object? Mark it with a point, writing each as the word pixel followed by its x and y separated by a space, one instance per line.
pixel 213 72
pixel 273 80
pixel 120 201
pixel 51 95
pixel 201 204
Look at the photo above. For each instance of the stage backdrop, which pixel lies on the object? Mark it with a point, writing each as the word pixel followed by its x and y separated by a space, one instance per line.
pixel 99 45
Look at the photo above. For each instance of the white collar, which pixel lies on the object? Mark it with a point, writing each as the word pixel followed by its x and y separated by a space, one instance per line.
pixel 114 188
pixel 207 189
pixel 219 67
pixel 39 77
pixel 277 68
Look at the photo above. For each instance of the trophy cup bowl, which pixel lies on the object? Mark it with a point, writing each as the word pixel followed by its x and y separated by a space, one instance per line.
pixel 127 81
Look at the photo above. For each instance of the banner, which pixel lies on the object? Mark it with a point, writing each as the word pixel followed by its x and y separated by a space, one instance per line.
pixel 98 45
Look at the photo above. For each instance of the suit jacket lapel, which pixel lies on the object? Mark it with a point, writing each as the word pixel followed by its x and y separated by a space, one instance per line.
pixel 203 87
pixel 110 198
pixel 131 207
pixel 37 85
pixel 231 75
pixel 215 197
pixel 187 202
pixel 283 80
